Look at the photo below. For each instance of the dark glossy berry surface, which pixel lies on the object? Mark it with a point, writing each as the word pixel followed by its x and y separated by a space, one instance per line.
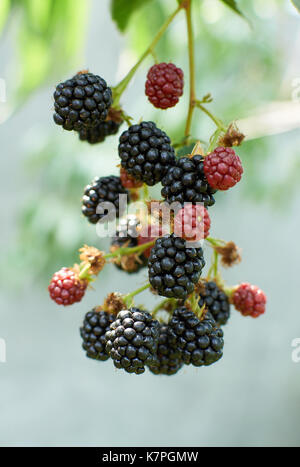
pixel 186 183
pixel 95 325
pixel 174 269
pixel 98 133
pixel 201 342
pixel 103 190
pixel 216 301
pixel 81 102
pixel 132 340
pixel 146 152
pixel 168 360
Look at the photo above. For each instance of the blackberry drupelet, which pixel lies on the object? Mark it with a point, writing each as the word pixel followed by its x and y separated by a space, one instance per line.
pixel 200 341
pixel 132 340
pixel 95 325
pixel 101 190
pixel 82 102
pixel 186 183
pixel 146 152
pixel 216 301
pixel 98 133
pixel 127 236
pixel 168 356
pixel 174 269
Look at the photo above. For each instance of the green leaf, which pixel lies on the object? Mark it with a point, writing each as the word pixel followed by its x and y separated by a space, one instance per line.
pixel 122 10
pixel 233 5
pixel 4 10
pixel 296 4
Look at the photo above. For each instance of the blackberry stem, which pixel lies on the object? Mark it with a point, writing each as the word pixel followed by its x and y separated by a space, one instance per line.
pixel 128 299
pixel 84 273
pixel 129 251
pixel 121 87
pixel 188 13
pixel 216 121
pixel 161 305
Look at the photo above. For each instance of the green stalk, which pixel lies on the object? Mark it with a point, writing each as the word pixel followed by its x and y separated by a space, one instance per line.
pixel 120 88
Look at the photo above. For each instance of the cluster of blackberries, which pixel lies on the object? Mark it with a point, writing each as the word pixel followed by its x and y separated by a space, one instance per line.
pixel 134 340
pixel 82 104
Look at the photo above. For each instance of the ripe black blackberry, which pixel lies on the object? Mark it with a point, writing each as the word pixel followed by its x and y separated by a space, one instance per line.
pixel 95 325
pixel 103 190
pixel 168 356
pixel 146 152
pixel 174 269
pixel 216 301
pixel 132 340
pixel 82 102
pixel 185 182
pixel 200 341
pixel 127 236
pixel 98 133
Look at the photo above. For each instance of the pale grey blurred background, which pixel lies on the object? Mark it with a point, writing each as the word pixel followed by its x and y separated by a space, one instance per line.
pixel 50 393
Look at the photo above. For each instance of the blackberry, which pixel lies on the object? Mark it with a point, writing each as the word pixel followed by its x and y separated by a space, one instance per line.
pixel 132 340
pixel 168 357
pixel 103 190
pixel 216 301
pixel 164 85
pixel 185 182
pixel 174 269
pixel 82 102
pixel 146 152
pixel 200 341
pixel 95 325
pixel 98 133
pixel 127 236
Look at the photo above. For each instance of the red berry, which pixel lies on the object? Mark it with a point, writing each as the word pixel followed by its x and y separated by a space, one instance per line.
pixel 192 223
pixel 164 85
pixel 66 288
pixel 222 168
pixel 128 181
pixel 249 300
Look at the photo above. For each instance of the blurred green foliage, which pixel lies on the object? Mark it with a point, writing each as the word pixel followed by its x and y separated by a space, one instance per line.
pixel 50 38
pixel 241 67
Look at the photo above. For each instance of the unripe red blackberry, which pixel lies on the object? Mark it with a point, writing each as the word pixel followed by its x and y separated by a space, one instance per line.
pixel 192 223
pixel 82 102
pixel 128 181
pixel 164 85
pixel 222 168
pixel 249 300
pixel 66 288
